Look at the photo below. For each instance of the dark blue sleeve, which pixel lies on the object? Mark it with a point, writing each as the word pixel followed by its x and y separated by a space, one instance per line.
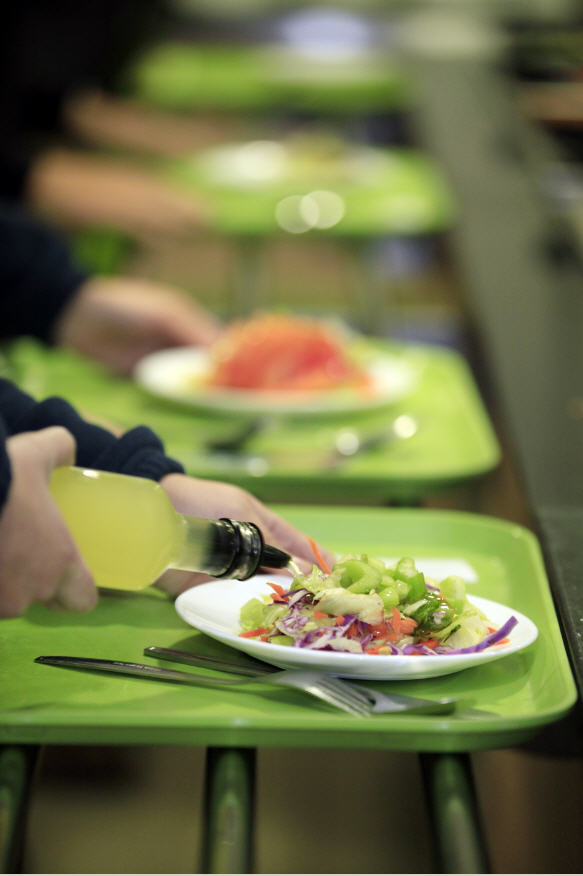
pixel 4 465
pixel 37 276
pixel 139 452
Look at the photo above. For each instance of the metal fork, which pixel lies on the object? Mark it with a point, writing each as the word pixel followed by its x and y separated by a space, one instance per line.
pixel 331 690
pixel 376 701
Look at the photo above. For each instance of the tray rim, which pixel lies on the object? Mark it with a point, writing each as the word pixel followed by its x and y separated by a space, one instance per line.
pixel 311 728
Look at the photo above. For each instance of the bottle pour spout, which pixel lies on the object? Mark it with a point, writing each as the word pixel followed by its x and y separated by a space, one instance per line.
pixel 273 557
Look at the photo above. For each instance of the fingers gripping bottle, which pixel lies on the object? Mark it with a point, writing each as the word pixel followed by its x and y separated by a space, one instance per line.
pixel 129 533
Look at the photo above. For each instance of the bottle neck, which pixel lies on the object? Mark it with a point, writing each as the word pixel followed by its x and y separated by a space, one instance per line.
pixel 221 548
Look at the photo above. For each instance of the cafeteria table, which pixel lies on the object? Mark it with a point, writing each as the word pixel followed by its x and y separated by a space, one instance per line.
pixel 501 703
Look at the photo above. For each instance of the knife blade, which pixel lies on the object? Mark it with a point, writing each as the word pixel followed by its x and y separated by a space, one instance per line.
pixel 120 667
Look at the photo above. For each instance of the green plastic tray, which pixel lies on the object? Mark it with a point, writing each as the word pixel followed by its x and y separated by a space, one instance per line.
pixel 505 702
pixel 406 194
pixel 188 76
pixel 455 440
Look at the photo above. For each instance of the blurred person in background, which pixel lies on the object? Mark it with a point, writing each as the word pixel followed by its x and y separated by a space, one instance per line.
pixel 44 295
pixel 114 320
pixel 59 63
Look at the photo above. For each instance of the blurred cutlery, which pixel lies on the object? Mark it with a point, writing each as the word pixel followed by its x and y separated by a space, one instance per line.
pixel 346 443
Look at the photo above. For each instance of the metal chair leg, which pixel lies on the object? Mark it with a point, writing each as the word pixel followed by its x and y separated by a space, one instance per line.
pixel 17 764
pixel 228 834
pixel 451 798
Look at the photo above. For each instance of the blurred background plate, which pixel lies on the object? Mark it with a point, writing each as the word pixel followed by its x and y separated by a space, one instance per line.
pixel 180 374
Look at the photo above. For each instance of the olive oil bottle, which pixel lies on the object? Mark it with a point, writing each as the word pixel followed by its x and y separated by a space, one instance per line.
pixel 129 533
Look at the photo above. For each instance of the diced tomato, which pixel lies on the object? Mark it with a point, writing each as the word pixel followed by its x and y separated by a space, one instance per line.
pixel 381 631
pixel 429 643
pixel 396 620
pixel 408 625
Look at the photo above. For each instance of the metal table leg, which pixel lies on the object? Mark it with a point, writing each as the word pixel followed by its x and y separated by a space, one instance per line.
pixel 454 814
pixel 227 844
pixel 16 768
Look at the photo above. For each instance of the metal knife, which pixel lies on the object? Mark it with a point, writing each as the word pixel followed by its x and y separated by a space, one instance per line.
pixel 120 667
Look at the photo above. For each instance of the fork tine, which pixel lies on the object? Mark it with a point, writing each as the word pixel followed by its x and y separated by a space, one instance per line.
pixel 360 695
pixel 324 687
pixel 346 694
pixel 335 698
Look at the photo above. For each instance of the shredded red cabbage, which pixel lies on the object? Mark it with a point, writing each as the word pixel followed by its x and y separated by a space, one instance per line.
pixel 489 640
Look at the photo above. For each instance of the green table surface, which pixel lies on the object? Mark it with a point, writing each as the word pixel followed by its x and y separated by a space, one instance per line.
pixel 400 192
pixel 504 702
pixel 454 442
pixel 189 76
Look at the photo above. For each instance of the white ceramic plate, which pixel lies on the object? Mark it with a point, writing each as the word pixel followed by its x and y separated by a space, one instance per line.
pixel 214 609
pixel 179 374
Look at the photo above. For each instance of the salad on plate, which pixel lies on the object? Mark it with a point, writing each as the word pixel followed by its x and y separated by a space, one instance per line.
pixel 364 605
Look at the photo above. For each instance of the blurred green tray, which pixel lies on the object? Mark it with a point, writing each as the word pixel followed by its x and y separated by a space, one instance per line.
pixel 190 76
pixel 504 702
pixel 392 192
pixel 454 442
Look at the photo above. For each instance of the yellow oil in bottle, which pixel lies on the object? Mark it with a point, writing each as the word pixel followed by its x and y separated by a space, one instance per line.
pixel 125 527
pixel 129 533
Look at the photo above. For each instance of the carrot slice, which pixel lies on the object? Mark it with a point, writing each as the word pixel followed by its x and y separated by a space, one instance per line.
pixel 319 558
pixel 278 593
pixel 250 634
pixel 278 588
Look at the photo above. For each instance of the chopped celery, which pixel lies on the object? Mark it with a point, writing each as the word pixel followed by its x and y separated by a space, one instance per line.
pixel 281 640
pixel 390 596
pixel 358 575
pixel 453 590
pixel 406 571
